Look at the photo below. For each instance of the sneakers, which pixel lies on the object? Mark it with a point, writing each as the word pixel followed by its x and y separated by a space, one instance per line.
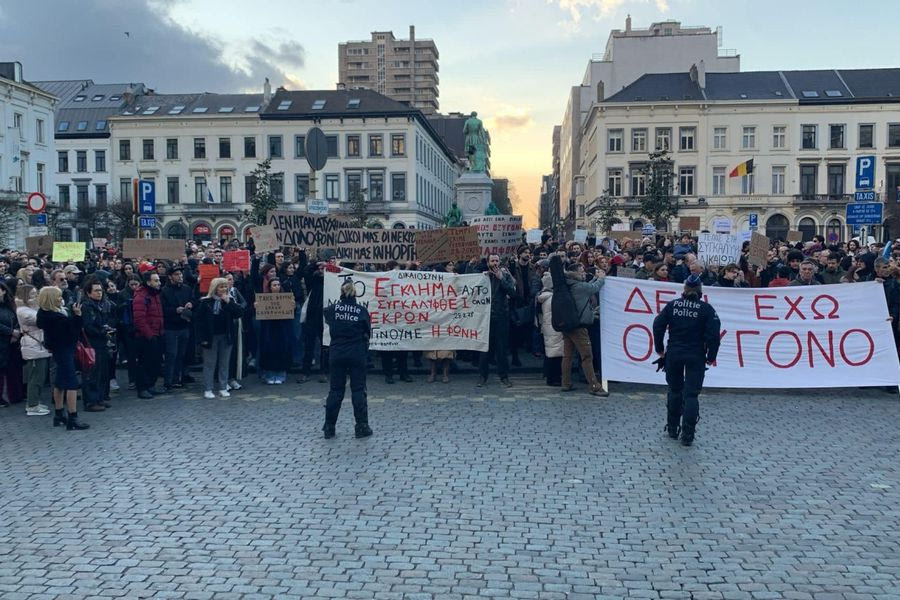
pixel 270 381
pixel 600 392
pixel 209 395
pixel 37 411
pixel 234 385
pixel 225 394
pixel 114 385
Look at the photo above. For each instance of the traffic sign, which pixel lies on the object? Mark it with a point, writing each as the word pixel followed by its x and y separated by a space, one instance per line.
pixel 754 220
pixel 317 207
pixel 865 213
pixel 316 147
pixel 40 219
pixel 147 222
pixel 865 172
pixel 868 196
pixel 147 191
pixel 36 203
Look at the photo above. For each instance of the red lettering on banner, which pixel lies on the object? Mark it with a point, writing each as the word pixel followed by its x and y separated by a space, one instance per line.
pixel 660 302
pixel 759 307
pixel 646 330
pixel 793 307
pixel 380 291
pixel 868 356
pixel 834 307
pixel 828 356
pixel 740 348
pixel 769 348
pixel 637 292
pixel 435 331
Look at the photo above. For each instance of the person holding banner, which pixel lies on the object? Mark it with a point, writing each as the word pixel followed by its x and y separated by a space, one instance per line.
pixel 348 322
pixel 274 343
pixel 694 337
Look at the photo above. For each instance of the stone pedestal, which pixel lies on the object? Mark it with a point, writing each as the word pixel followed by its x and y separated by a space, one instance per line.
pixel 473 194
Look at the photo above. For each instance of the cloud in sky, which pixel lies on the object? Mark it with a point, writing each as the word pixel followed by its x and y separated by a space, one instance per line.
pixel 87 39
pixel 599 8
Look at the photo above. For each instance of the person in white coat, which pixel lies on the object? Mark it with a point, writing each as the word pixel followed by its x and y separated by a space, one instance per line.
pixel 36 356
pixel 553 340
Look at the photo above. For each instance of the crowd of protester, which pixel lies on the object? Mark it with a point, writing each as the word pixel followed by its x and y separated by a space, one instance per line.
pixel 149 323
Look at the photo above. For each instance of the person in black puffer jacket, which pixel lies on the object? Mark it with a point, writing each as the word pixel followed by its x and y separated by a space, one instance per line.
pixel 217 331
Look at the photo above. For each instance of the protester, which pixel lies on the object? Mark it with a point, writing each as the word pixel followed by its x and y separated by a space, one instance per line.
pixel 98 320
pixel 806 275
pixel 35 355
pixel 236 362
pixel 274 344
pixel 553 340
pixel 176 299
pixel 503 287
pixel 578 339
pixel 10 363
pixel 217 331
pixel 148 329
pixel 312 321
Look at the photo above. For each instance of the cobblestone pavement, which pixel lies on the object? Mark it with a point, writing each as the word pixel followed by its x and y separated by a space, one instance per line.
pixel 461 493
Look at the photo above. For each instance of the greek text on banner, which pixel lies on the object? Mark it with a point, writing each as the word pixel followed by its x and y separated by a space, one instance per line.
pixel 795 337
pixel 419 310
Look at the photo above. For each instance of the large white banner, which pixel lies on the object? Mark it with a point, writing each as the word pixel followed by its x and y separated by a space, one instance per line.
pixel 793 337
pixel 419 310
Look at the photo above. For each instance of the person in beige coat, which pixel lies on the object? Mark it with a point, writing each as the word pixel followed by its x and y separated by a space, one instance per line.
pixel 36 356
pixel 553 340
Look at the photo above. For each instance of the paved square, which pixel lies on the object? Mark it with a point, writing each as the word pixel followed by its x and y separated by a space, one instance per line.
pixel 461 493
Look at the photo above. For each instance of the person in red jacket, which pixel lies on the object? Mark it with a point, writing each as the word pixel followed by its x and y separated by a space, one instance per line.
pixel 148 331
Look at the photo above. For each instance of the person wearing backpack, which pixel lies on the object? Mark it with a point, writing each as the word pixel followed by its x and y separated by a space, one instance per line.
pixel 572 310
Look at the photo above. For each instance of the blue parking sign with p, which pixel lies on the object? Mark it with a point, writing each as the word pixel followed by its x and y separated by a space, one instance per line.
pixel 865 172
pixel 147 196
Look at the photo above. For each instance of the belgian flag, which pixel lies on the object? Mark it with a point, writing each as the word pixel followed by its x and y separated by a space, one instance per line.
pixel 745 168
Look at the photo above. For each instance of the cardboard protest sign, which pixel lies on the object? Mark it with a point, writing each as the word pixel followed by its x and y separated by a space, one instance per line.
pixel 759 250
pixel 39 244
pixel 153 249
pixel 718 249
pixel 445 245
pixel 264 238
pixel 802 337
pixel 236 260
pixel 206 274
pixel 626 272
pixel 533 236
pixel 420 310
pixel 498 234
pixel 794 236
pixel 689 224
pixel 68 251
pixel 621 236
pixel 302 230
pixel 270 307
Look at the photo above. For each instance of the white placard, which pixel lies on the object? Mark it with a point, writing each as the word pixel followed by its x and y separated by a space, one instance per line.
pixel 533 236
pixel 722 225
pixel 316 206
pixel 580 236
pixel 718 249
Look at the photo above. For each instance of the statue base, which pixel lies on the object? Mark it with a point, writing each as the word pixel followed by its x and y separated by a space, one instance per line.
pixel 473 194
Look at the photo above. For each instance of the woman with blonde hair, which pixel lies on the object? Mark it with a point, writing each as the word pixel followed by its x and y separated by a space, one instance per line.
pixel 216 324
pixel 61 331
pixel 35 354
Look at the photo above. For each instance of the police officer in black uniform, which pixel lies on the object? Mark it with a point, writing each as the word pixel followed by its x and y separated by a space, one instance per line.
pixel 348 322
pixel 693 343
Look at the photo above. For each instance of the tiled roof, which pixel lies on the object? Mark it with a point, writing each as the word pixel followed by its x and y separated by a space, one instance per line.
pixel 331 103
pixel 193 105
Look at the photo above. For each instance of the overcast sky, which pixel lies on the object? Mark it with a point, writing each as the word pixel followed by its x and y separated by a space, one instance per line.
pixel 511 60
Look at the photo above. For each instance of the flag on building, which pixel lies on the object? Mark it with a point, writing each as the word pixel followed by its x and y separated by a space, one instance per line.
pixel 209 197
pixel 745 168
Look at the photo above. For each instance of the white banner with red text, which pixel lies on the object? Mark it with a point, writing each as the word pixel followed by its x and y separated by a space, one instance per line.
pixel 818 336
pixel 419 310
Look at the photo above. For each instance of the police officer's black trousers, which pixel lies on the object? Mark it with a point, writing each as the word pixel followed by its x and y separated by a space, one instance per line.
pixel 684 374
pixel 340 367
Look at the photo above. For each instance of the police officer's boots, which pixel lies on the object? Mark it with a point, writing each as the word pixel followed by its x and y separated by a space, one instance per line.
pixel 673 429
pixel 687 433
pixel 361 415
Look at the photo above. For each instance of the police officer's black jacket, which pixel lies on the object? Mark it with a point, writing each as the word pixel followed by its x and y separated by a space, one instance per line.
pixel 348 322
pixel 693 328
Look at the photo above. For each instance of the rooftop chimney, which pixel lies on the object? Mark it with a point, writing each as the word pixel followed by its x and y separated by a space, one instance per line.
pixel 600 91
pixel 701 74
pixel 267 91
pixel 412 33
pixel 628 23
pixel 341 86
pixel 11 71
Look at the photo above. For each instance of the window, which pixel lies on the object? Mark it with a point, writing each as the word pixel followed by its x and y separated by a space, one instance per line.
pixel 63 126
pixel 225 195
pixel 250 147
pixel 748 138
pixel 79 98
pixel 81 161
pixel 175 110
pixel 778 181
pixel 275 149
pixel 398 144
pixel 354 185
pixel 808 138
pixel 894 135
pixel 172 190
pixel 686 181
pixel 747 184
pixel 836 180
pixel 81 197
pixel 867 136
pixel 663 138
pixel 398 187
pixel 353 146
pixel 201 192
pixel 331 143
pixel 779 136
pixel 332 188
pixel 148 149
pixel 686 135
pixel 284 104
pixel 718 182
pixel 302 187
pixel 97 98
pixel 376 145
pixel 200 148
pixel 82 126
pixel 249 188
pixel 638 183
pixel 808 176
pixel 318 105
pixel 638 140
pixel 836 137
pixel 100 198
pixel 63 159
pixel 39 131
pixel 124 149
pixel 100 161
pixel 19 124
pixel 172 148
pixel 41 172
pixel 376 186
pixel 100 125
pixel 614 182
pixel 224 148
pixel 65 202
pixel 276 186
pixel 614 140
pixel 125 188
pixel 299 146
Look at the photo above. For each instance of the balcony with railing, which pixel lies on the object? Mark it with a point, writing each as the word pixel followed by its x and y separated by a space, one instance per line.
pixel 822 199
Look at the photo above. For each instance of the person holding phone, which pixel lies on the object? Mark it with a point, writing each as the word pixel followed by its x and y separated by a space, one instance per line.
pixel 62 328
pixel 503 287
pixel 217 331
